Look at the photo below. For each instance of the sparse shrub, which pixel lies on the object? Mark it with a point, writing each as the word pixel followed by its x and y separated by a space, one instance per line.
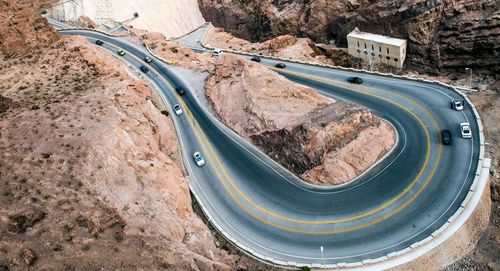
pixel 119 236
pixel 165 112
pixel 174 50
pixel 186 55
pixel 68 227
pixel 164 265
pixel 85 248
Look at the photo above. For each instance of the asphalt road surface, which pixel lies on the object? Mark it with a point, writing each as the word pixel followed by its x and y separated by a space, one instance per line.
pixel 266 209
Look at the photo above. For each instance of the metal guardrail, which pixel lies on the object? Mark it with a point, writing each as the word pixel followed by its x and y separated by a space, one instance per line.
pixel 393 259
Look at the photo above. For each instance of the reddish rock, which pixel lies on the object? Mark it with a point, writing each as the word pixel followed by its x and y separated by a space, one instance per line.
pixel 443 35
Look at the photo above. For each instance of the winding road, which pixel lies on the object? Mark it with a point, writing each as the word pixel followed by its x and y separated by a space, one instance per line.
pixel 271 214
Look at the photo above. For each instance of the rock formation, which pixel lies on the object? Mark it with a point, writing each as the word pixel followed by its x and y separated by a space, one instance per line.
pixel 443 35
pixel 285 46
pixel 293 124
pixel 307 133
pixel 23 31
pixel 90 170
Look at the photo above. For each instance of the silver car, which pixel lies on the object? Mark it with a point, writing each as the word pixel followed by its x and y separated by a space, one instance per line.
pixel 465 130
pixel 178 110
pixel 457 105
pixel 198 159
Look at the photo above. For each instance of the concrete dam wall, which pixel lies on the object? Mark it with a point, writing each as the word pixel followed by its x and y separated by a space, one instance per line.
pixel 173 18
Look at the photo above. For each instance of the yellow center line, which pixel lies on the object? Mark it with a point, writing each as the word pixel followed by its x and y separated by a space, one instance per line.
pixel 235 198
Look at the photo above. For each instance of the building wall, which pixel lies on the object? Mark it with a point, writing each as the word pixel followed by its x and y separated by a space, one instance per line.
pixel 379 53
pixel 172 18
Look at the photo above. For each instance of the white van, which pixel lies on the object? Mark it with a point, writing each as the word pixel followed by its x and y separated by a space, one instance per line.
pixel 217 52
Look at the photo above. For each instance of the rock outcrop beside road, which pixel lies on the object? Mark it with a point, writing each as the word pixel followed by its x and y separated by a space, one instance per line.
pixel 443 35
pixel 285 46
pixel 326 142
pixel 323 141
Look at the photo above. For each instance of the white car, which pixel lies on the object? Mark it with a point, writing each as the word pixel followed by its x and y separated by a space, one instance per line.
pixel 198 159
pixel 178 110
pixel 457 105
pixel 217 52
pixel 465 129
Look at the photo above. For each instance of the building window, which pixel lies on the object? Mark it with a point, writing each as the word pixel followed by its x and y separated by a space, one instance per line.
pixel 403 51
pixel 380 55
pixel 388 57
pixel 373 48
pixel 387 50
pixel 373 54
pixel 395 59
pixel 380 49
pixel 365 45
pixel 359 51
pixel 358 43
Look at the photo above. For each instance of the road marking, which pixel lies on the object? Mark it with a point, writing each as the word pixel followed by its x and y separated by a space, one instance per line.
pixel 299 221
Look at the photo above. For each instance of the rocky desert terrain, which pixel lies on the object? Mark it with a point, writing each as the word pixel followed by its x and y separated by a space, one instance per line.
pixel 444 36
pixel 91 176
pixel 323 141
pixel 285 46
pixel 90 171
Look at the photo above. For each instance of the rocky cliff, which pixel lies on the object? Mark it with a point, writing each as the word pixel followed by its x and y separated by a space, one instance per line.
pixel 321 140
pixel 443 35
pixel 90 170
pixel 23 31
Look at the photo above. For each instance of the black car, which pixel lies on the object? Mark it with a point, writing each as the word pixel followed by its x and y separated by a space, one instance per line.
pixel 144 69
pixel 355 80
pixel 255 59
pixel 446 137
pixel 280 65
pixel 99 42
pixel 180 90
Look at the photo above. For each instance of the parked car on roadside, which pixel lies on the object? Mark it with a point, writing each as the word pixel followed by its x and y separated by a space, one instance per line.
pixel 280 65
pixel 121 52
pixel 99 42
